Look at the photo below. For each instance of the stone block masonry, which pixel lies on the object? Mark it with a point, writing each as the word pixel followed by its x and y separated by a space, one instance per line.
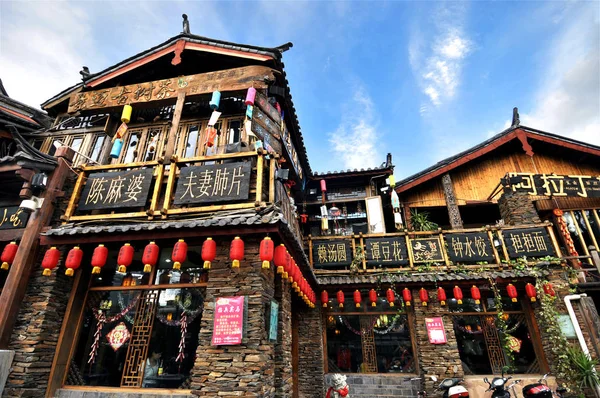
pixel 517 208
pixel 310 352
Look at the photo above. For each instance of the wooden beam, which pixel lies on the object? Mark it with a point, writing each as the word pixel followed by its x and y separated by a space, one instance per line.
pixel 174 126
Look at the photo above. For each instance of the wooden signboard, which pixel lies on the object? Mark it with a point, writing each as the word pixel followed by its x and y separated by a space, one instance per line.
pixel 291 151
pixel 332 253
pixel 12 217
pixel 469 247
pixel 530 242
pixel 265 136
pixel 122 189
pixel 203 83
pixel 213 183
pixel 426 250
pixel 554 185
pixel 389 251
pixel 262 102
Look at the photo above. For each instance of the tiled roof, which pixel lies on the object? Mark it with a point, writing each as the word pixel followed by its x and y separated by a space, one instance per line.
pixel 351 171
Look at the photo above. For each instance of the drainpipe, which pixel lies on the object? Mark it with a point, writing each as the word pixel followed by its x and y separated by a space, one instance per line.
pixel 582 342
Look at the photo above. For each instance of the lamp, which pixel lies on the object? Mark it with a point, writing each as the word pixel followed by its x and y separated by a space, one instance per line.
pixel 39 181
pixel 282 174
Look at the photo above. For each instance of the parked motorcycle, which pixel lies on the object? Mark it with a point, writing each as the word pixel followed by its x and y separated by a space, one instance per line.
pixel 452 388
pixel 541 390
pixel 499 388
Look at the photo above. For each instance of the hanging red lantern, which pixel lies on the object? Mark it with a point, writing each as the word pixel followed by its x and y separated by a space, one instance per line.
pixel 50 261
pixel 424 297
pixel 373 297
pixel 357 298
pixel 476 294
pixel 150 256
pixel 266 252
pixel 280 259
pixel 179 253
pixel 406 296
pixel 8 254
pixel 323 186
pixel 530 291
pixel 341 299
pixel 303 218
pixel 512 292
pixel 287 267
pixel 441 296
pixel 324 298
pixel 73 260
pixel 125 257
pixel 294 274
pixel 99 258
pixel 236 252
pixel 209 252
pixel 549 289
pixel 391 297
pixel 458 295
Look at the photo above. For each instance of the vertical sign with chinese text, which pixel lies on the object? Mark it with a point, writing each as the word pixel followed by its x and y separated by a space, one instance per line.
pixel 228 325
pixel 386 251
pixel 273 319
pixel 530 242
pixel 121 189
pixel 332 253
pixel 435 330
pixel 469 247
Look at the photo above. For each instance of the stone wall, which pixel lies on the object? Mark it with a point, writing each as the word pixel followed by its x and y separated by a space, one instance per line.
pixel 310 352
pixel 283 348
pixel 517 208
pixel 379 386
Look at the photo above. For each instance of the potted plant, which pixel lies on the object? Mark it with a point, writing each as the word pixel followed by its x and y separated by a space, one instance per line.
pixel 584 371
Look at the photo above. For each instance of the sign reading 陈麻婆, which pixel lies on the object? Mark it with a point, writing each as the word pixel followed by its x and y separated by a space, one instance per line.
pixel 530 242
pixel 426 250
pixel 386 251
pixel 555 185
pixel 331 253
pixel 121 189
pixel 13 217
pixel 213 183
pixel 229 320
pixel 469 247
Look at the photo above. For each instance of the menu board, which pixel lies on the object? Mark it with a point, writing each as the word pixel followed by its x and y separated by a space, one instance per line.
pixel 229 321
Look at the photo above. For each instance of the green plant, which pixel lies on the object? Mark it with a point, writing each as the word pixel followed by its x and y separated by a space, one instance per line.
pixel 357 259
pixel 583 368
pixel 421 222
pixel 502 326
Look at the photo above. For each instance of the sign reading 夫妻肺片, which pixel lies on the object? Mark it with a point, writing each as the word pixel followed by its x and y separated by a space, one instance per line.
pixel 121 189
pixel 554 185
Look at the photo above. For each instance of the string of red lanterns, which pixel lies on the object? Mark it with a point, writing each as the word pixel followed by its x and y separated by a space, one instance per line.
pixel 8 255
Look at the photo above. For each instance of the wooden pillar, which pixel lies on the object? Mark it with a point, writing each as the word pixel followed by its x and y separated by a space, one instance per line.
pixel 451 202
pixel 174 126
pixel 18 277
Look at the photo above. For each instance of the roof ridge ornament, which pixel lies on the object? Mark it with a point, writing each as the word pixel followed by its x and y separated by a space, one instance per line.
pixel 516 121
pixel 186 24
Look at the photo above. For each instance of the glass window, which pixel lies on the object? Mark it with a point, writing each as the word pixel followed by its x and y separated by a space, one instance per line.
pixel 97 148
pixel 234 129
pixel 192 142
pixel 192 270
pixel 131 148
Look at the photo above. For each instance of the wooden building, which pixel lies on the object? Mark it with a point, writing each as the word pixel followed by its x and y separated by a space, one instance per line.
pixel 188 248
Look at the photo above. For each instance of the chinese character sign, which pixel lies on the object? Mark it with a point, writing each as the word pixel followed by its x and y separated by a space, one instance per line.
pixel 228 325
pixel 273 319
pixel 531 242
pixel 120 189
pixel 435 330
pixel 331 253
pixel 426 249
pixel 386 251
pixel 213 183
pixel 13 218
pixel 469 247
pixel 554 185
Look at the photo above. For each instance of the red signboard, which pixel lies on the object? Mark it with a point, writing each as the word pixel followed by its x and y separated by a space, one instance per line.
pixel 228 326
pixel 435 330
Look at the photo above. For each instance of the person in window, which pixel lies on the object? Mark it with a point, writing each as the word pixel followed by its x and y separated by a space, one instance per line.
pixel 151 369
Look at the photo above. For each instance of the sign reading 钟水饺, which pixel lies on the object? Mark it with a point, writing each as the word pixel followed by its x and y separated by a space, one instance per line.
pixel 386 251
pixel 229 320
pixel 554 185
pixel 120 189
pixel 331 253
pixel 529 242
pixel 213 183
pixel 12 217
pixel 469 247
pixel 426 250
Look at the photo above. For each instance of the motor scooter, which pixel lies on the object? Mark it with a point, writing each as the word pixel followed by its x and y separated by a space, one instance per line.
pixel 497 386
pixel 452 388
pixel 541 389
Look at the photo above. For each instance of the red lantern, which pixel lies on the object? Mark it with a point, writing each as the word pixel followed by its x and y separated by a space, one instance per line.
pixel 407 296
pixel 324 298
pixel 236 252
pixel 323 186
pixel 125 257
pixel 8 254
pixel 531 293
pixel 476 294
pixel 442 296
pixel 50 260
pixel 373 297
pixel 424 296
pixel 287 267
pixel 150 256
pixel 303 218
pixel 294 274
pixel 549 290
pixel 266 252
pixel 391 297
pixel 73 260
pixel 209 252
pixel 99 258
pixel 512 292
pixel 179 253
pixel 458 295
pixel 341 298
pixel 280 258
pixel 357 298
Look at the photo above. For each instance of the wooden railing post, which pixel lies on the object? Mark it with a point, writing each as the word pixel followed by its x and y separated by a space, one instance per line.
pixel 74 197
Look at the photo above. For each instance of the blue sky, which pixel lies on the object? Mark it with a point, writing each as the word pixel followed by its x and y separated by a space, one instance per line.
pixel 423 80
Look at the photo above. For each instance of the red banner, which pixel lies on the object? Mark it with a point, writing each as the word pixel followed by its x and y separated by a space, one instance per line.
pixel 228 326
pixel 435 330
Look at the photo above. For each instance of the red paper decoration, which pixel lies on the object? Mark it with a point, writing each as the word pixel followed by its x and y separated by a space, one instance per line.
pixel 266 252
pixel 549 289
pixel 150 256
pixel 512 292
pixel 373 297
pixel 125 257
pixel 209 252
pixel 458 295
pixel 357 298
pixel 236 252
pixel 50 260
pixel 441 296
pixel 530 291
pixel 341 299
pixel 324 298
pixel 406 296
pixel 391 297
pixel 424 297
pixel 179 253
pixel 476 294
pixel 73 260
pixel 99 258
pixel 8 254
pixel 280 259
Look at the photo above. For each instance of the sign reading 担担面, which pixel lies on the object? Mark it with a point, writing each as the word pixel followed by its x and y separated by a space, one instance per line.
pixel 386 251
pixel 213 183
pixel 554 185
pixel 121 189
pixel 469 247
pixel 530 242
pixel 12 217
pixel 331 253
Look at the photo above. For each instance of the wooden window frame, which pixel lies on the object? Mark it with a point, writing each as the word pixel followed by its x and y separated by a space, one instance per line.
pixel 222 139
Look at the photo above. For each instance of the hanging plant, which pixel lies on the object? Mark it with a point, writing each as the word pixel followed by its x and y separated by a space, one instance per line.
pixel 501 325
pixel 421 222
